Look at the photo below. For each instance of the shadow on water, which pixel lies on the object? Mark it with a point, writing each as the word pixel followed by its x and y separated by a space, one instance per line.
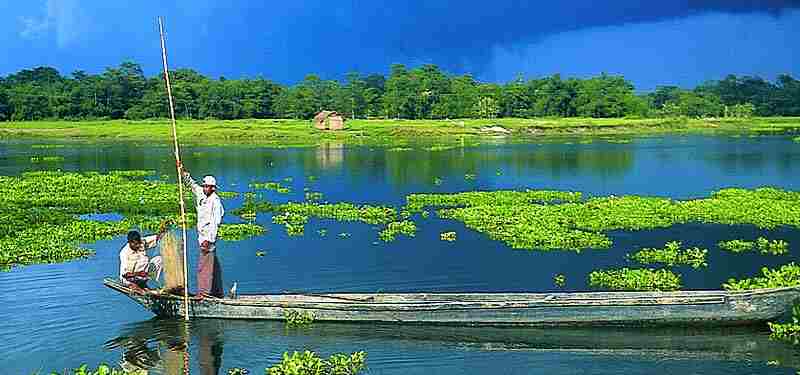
pixel 161 346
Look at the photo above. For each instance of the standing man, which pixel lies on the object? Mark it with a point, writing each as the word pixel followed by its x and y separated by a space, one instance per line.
pixel 209 217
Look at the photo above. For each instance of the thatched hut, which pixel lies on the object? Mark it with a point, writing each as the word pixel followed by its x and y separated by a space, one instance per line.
pixel 329 120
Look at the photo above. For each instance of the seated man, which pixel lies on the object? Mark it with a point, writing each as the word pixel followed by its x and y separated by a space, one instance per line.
pixel 134 264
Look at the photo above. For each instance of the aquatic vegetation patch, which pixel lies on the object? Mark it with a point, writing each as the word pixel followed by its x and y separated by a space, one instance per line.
pixel 447 236
pixel 313 196
pixel 796 139
pixel 309 363
pixel 415 202
pixel 297 214
pixel 522 224
pixel 399 149
pixel 227 194
pixel 272 185
pixel 297 318
pixel 672 255
pixel 251 206
pixel 46 159
pixel 295 223
pixel 47 146
pixel 635 279
pixel 102 369
pixel 396 228
pixel 790 331
pixel 236 232
pixel 785 276
pixel 559 280
pixel 761 244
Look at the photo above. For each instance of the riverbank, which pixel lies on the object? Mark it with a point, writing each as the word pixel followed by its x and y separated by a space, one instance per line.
pixel 299 133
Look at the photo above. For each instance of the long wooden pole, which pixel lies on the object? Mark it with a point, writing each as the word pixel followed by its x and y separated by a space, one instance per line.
pixel 177 162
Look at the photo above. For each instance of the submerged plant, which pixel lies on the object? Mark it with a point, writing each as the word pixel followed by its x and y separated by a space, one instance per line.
pixel 274 186
pixel 635 279
pixel 672 255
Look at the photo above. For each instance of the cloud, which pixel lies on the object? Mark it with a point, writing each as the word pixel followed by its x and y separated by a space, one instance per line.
pixel 60 17
pixel 681 51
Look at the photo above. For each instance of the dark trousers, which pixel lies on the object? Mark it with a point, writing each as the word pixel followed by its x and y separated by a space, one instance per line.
pixel 209 274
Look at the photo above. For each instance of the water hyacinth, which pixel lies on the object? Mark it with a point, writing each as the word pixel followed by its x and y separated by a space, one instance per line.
pixel 635 280
pixel 763 245
pixel 296 215
pixel 236 232
pixel 786 276
pixel 297 318
pixel 308 363
pixel 396 228
pixel 559 280
pixel 415 202
pixel 447 236
pixel 672 255
pixel 274 186
pixel 580 225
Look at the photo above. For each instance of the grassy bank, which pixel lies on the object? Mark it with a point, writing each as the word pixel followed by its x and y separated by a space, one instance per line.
pixel 287 133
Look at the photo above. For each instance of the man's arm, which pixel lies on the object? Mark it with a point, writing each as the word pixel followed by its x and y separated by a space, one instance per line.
pixel 151 241
pixel 196 189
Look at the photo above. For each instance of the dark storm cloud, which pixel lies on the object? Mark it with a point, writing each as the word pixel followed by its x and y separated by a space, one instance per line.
pixel 461 34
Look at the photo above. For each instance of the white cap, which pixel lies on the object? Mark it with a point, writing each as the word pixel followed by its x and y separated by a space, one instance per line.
pixel 209 180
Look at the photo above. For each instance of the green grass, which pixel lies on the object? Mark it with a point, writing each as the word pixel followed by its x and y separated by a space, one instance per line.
pixel 440 134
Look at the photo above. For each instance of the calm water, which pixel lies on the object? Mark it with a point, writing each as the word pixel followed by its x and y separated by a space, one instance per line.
pixel 58 316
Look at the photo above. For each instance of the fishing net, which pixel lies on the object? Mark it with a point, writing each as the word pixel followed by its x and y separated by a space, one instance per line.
pixel 173 262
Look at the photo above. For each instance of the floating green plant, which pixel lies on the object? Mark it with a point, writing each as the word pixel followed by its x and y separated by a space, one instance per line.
pixel 507 217
pixel 635 279
pixel 46 159
pixel 425 214
pixel 393 229
pixel 447 236
pixel 297 214
pixel 298 318
pixel 251 206
pixel 47 146
pixel 102 369
pixel 785 276
pixel 796 139
pixel 261 253
pixel 672 255
pixel 344 235
pixel 313 196
pixel 227 194
pixel 399 149
pixel 308 363
pixel 790 331
pixel 559 280
pixel 437 181
pixel 294 223
pixel 763 245
pixel 274 186
pixel 469 176
pixel 322 232
pixel 415 202
pixel 235 232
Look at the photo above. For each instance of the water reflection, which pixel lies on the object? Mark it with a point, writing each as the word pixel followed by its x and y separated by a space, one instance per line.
pixel 160 346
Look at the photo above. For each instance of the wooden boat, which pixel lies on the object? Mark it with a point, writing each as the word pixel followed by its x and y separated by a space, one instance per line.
pixel 494 309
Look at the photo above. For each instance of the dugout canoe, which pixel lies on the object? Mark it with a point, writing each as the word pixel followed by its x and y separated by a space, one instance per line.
pixel 493 309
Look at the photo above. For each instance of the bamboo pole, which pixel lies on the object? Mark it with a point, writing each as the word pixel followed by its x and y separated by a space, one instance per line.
pixel 177 161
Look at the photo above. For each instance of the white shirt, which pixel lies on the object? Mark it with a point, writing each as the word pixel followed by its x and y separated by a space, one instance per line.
pixel 209 211
pixel 135 261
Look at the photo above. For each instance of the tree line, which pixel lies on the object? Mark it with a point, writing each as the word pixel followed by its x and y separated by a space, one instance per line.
pixel 425 92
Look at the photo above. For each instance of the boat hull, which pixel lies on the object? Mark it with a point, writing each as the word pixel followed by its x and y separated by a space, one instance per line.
pixel 495 309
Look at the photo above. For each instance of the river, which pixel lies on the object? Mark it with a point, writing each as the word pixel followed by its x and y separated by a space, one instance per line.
pixel 59 316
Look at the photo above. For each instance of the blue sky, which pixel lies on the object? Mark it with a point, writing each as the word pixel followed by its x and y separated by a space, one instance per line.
pixel 651 43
